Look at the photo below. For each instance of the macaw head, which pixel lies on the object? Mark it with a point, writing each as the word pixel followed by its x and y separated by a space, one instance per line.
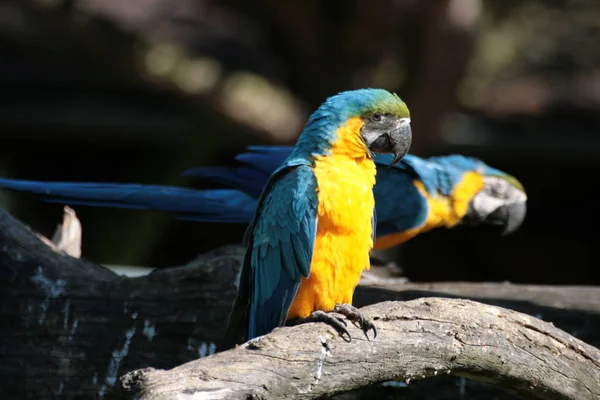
pixel 359 122
pixel 499 199
pixel 501 202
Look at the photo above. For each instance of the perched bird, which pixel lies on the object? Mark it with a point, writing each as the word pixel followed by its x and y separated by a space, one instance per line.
pixel 413 196
pixel 314 224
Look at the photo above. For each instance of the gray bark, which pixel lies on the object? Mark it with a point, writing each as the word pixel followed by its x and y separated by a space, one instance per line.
pixel 417 339
pixel 71 327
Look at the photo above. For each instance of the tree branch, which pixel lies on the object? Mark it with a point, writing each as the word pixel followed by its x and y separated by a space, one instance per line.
pixel 417 339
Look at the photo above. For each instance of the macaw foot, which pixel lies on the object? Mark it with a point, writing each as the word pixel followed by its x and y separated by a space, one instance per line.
pixel 321 316
pixel 347 310
pixel 352 313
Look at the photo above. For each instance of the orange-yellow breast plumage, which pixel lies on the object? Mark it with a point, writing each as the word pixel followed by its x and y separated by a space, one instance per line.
pixel 345 180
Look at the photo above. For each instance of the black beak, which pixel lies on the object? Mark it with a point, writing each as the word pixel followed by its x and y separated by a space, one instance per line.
pixel 397 141
pixel 509 216
pixel 401 139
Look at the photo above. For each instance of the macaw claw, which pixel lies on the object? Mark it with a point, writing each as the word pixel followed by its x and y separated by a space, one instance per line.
pixel 335 322
pixel 352 313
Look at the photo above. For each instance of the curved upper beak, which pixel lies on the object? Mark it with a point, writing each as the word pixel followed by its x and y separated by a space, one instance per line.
pixel 509 216
pixel 392 135
pixel 400 139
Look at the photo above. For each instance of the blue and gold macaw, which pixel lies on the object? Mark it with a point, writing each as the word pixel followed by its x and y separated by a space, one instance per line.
pixel 412 197
pixel 314 225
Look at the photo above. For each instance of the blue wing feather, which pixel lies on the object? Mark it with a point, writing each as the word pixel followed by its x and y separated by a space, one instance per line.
pixel 245 178
pixel 399 204
pixel 256 167
pixel 281 239
pixel 220 205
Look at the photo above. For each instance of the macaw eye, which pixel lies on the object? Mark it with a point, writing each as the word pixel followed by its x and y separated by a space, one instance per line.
pixel 377 116
pixel 499 186
pixel 495 186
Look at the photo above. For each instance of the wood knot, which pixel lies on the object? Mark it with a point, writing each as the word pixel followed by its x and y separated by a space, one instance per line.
pixel 258 343
pixel 133 381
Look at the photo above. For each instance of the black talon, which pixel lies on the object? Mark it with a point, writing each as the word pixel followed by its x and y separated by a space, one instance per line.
pixel 341 320
pixel 368 326
pixel 352 313
pixel 335 322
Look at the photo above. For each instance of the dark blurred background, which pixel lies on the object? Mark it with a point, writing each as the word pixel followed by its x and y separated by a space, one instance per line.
pixel 139 90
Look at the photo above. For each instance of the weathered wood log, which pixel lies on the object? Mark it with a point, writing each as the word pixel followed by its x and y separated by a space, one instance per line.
pixel 417 339
pixel 71 327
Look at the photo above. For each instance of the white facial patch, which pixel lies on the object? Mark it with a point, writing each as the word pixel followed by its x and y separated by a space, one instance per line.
pixel 496 193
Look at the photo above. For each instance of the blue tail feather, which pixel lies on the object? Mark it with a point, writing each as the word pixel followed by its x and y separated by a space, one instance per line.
pixel 218 205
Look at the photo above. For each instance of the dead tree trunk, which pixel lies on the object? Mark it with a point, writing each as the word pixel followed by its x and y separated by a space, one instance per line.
pixel 71 327
pixel 418 339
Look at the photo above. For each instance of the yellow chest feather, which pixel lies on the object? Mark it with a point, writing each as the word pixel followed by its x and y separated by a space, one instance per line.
pixel 344 228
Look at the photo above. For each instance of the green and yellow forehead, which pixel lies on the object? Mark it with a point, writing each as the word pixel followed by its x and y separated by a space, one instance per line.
pixel 360 103
pixel 385 102
pixel 513 181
